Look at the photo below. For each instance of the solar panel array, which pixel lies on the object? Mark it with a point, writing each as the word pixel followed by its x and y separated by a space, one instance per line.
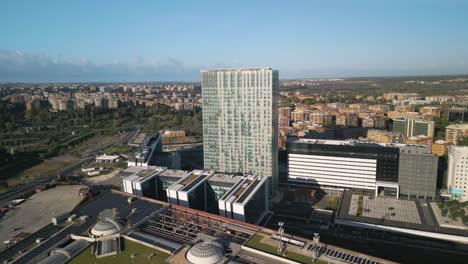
pixel 55 234
pixel 44 233
pixel 48 245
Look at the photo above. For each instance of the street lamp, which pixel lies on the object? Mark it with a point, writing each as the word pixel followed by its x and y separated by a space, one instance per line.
pixel 315 241
pixel 280 232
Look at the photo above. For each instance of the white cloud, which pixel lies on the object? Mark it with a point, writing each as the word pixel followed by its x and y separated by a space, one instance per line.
pixel 18 66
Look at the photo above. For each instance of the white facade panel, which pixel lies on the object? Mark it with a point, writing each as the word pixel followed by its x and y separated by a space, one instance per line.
pixel 222 208
pixel 238 212
pixel 128 186
pixel 309 172
pixel 333 171
pixel 183 199
pixel 332 158
pixel 172 196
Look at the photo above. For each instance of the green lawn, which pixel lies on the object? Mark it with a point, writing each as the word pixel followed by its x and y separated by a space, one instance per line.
pixel 255 243
pixel 129 247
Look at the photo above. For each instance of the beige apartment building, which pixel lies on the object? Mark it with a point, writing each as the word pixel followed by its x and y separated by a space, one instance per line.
pixel 383 136
pixel 453 133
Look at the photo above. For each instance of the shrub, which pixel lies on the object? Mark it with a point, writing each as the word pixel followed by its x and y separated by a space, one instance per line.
pixel 444 212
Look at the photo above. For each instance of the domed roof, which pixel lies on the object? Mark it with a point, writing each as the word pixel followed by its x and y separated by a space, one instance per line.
pixel 205 253
pixel 107 227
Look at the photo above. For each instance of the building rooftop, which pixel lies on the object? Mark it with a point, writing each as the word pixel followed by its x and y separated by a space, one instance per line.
pixel 225 178
pixel 174 173
pixel 357 142
pixel 147 172
pixel 210 252
pixel 107 157
pixel 343 142
pixel 414 214
pixel 458 126
pixel 189 179
pixel 243 188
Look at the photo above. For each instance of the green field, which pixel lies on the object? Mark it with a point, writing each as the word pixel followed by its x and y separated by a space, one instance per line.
pixel 117 149
pixel 34 168
pixel 257 244
pixel 129 248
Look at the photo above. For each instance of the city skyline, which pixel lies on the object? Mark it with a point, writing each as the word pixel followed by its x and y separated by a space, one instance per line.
pixel 161 132
pixel 76 42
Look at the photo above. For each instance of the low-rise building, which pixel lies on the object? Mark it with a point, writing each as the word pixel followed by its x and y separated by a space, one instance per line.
pixel 420 140
pixel 146 154
pixel 348 120
pixel 107 158
pixel 383 136
pixel 412 127
pixel 458 115
pixel 431 110
pixel 284 111
pixel 454 133
pixel 300 115
pixel 439 148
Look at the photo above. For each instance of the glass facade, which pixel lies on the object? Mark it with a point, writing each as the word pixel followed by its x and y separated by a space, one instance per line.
pixel 418 175
pixel 240 121
pixel 411 127
pixel 458 115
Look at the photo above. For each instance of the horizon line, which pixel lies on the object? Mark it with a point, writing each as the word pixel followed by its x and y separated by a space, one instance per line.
pixel 285 79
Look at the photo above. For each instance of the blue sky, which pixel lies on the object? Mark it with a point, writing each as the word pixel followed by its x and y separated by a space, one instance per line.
pixel 172 40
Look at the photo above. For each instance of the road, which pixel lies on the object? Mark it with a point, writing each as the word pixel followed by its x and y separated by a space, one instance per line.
pixel 26 189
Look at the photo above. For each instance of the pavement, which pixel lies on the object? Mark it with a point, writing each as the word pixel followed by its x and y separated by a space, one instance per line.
pixel 38 210
pixel 105 179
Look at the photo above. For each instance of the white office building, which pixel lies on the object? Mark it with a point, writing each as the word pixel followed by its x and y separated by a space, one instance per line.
pixel 458 172
pixel 146 154
pixel 247 200
pixel 344 165
pixel 334 171
pixel 240 127
pixel 190 191
pixel 143 181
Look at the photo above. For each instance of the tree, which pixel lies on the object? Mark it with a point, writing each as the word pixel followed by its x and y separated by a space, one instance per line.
pixel 465 219
pixel 463 141
pixel 444 212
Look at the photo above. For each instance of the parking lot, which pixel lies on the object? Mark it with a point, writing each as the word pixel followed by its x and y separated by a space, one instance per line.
pixel 38 210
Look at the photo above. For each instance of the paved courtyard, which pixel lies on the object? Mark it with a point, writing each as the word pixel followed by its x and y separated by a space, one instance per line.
pixel 385 208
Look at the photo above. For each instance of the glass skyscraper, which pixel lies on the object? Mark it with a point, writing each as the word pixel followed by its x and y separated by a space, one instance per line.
pixel 240 127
